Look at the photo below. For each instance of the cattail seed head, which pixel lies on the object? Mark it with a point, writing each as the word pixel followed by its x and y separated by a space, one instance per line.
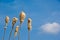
pixel 29 20
pixel 14 20
pixel 15 34
pixel 17 27
pixel 22 16
pixel 16 31
pixel 29 24
pixel 6 19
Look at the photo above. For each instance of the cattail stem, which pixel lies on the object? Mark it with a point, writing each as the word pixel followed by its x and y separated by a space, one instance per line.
pixel 18 35
pixel 19 32
pixel 4 31
pixel 28 34
pixel 4 34
pixel 14 38
pixel 10 33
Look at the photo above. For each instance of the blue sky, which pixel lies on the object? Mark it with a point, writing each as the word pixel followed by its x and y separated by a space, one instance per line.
pixel 45 16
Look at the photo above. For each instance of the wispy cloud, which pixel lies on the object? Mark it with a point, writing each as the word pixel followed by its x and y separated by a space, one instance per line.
pixel 52 28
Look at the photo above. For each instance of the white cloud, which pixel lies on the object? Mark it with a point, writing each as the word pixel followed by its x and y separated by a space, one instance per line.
pixel 53 28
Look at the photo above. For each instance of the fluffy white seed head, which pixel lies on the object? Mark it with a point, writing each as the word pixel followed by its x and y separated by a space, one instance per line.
pixel 6 19
pixel 17 27
pixel 29 20
pixel 29 23
pixel 14 20
pixel 16 31
pixel 22 16
pixel 15 34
